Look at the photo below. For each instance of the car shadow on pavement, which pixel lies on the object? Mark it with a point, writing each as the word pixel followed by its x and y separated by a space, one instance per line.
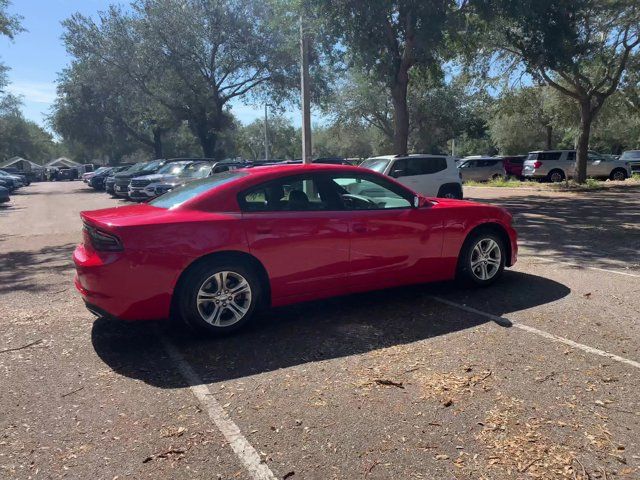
pixel 23 270
pixel 309 332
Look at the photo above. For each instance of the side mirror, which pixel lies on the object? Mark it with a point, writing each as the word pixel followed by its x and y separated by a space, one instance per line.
pixel 397 173
pixel 419 201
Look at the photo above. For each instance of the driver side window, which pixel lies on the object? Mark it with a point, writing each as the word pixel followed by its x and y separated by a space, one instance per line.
pixel 366 193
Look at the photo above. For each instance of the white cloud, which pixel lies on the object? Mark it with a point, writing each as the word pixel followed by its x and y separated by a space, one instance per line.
pixel 37 92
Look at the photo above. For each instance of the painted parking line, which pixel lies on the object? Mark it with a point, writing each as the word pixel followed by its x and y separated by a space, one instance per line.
pixel 579 265
pixel 257 469
pixel 541 333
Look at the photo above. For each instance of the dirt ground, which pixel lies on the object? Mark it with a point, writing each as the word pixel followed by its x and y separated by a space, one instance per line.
pixel 535 377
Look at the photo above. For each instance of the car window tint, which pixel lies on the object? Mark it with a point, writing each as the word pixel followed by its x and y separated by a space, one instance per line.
pixel 179 195
pixel 549 156
pixel 424 166
pixel 288 194
pixel 516 161
pixel 359 192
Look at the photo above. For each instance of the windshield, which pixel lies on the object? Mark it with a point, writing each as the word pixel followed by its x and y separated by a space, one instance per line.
pixel 631 155
pixel 100 170
pixel 135 168
pixel 179 195
pixel 151 166
pixel 173 168
pixel 376 164
pixel 197 170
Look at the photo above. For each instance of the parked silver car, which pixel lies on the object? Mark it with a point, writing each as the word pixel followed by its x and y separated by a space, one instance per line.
pixel 633 157
pixel 557 165
pixel 481 169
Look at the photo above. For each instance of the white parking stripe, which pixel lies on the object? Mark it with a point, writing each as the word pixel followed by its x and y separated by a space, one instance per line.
pixel 579 265
pixel 257 469
pixel 549 336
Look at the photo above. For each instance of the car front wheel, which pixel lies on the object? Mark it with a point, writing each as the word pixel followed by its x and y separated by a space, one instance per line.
pixel 218 297
pixel 482 259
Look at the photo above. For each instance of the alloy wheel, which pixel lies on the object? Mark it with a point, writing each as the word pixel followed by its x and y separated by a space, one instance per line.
pixel 485 259
pixel 224 299
pixel 619 175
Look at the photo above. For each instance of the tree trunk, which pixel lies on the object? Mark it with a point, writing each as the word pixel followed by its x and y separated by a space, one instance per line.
pixel 157 143
pixel 582 151
pixel 400 114
pixel 549 138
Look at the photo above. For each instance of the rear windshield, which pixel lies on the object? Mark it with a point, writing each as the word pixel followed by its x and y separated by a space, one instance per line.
pixel 179 195
pixel 376 164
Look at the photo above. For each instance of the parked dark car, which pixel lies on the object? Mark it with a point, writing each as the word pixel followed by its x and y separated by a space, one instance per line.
pixel 513 165
pixel 4 195
pixel 11 180
pixel 17 173
pixel 7 184
pixel 67 174
pixel 123 179
pixel 97 180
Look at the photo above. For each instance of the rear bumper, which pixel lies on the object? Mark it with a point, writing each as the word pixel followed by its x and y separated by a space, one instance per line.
pixel 111 286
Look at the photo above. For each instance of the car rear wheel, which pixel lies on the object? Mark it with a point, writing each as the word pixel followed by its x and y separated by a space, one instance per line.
pixel 556 176
pixel 618 174
pixel 482 259
pixel 218 297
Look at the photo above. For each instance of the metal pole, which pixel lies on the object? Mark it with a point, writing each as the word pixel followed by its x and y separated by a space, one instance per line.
pixel 266 134
pixel 306 106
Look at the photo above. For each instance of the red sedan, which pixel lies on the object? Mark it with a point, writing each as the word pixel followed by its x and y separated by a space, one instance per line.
pixel 217 249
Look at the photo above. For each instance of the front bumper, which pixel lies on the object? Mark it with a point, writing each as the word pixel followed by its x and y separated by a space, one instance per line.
pixel 121 191
pixel 140 193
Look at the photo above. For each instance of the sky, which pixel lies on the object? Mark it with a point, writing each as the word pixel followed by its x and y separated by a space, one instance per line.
pixel 37 55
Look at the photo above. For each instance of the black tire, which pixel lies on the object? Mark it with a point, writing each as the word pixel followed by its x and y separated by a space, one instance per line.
pixel 497 176
pixel 196 278
pixel 465 274
pixel 451 190
pixel 618 174
pixel 556 176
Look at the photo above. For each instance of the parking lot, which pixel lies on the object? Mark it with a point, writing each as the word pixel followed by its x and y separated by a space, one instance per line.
pixel 535 377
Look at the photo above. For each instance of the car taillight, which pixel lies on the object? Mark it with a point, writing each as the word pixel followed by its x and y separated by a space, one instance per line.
pixel 100 240
pixel 537 164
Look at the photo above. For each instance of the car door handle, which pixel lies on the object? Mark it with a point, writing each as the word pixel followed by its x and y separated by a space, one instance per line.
pixel 359 228
pixel 263 229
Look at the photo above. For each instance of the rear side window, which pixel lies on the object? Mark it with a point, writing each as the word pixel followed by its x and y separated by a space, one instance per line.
pixel 516 161
pixel 294 194
pixel 419 166
pixel 549 156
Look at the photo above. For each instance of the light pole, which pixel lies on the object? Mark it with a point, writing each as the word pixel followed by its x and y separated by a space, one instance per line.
pixel 304 91
pixel 266 133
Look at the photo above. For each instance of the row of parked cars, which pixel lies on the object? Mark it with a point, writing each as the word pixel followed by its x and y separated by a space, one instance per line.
pixel 10 181
pixel 550 165
pixel 431 175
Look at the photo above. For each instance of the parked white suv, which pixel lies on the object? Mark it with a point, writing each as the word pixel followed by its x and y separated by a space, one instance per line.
pixel 556 165
pixel 430 175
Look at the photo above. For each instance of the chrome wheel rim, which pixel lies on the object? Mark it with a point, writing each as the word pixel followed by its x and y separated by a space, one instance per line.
pixel 556 177
pixel 485 259
pixel 224 299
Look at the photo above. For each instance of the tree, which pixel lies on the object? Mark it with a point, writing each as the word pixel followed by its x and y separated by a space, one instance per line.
pixel 284 139
pixel 9 24
pixel 21 137
pixel 579 47
pixel 191 56
pixel 95 103
pixel 388 39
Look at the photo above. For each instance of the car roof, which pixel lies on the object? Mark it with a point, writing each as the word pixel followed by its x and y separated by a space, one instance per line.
pixel 410 155
pixel 295 168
